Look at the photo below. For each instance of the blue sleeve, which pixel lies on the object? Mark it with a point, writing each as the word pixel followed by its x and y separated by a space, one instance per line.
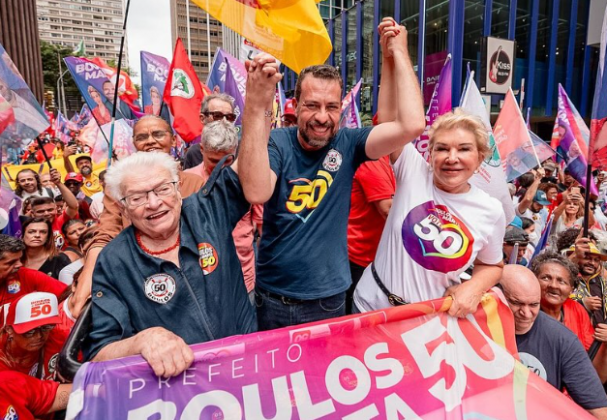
pixel 275 157
pixel 579 376
pixel 360 140
pixel 111 321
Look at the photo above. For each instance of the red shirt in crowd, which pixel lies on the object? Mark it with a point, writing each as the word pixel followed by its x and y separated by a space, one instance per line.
pixel 577 320
pixel 60 241
pixel 25 398
pixel 26 281
pixel 374 181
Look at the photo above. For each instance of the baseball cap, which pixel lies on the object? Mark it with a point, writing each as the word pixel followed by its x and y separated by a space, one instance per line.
pixel 32 311
pixel 549 166
pixel 593 250
pixel 73 176
pixel 516 222
pixel 88 157
pixel 514 235
pixel 540 198
pixel 289 108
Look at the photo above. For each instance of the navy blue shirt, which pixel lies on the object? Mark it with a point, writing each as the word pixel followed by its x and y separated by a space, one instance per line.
pixel 555 354
pixel 303 252
pixel 204 300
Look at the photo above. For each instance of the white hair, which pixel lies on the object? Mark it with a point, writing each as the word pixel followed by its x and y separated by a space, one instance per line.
pixel 219 136
pixel 136 164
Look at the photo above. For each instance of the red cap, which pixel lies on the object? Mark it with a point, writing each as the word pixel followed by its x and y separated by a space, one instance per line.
pixel 73 176
pixel 32 311
pixel 289 107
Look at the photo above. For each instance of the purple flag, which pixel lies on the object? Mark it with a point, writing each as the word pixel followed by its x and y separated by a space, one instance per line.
pixel 439 105
pixel 10 205
pixel 235 90
pixel 598 136
pixel 217 76
pixel 154 73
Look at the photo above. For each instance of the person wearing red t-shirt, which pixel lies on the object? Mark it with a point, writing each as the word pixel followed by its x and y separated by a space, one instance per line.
pixel 25 398
pixel 15 280
pixel 26 340
pixel 45 207
pixel 372 192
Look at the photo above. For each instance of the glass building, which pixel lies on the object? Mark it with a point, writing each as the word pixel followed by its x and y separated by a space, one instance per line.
pixel 550 47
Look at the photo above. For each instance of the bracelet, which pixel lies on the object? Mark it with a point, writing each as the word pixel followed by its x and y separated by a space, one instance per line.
pixel 268 114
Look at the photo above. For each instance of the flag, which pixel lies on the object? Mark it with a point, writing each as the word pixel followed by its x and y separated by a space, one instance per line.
pixel 95 137
pixel 409 362
pixel 598 136
pixel 232 88
pixel 126 89
pixel 80 49
pixel 183 93
pixel 217 76
pixel 84 116
pixel 349 111
pixel 523 159
pixel 490 177
pixel 292 31
pixel 568 140
pixel 439 104
pixel 10 204
pixel 28 119
pixel 154 73
pixel 351 95
pixel 510 129
pixel 543 239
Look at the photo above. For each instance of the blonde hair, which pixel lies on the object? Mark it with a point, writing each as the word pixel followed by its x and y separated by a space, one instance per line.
pixel 459 118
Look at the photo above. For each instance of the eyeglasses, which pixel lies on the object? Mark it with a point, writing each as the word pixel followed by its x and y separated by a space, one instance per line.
pixel 156 135
pixel 141 198
pixel 42 330
pixel 216 115
pixel 70 184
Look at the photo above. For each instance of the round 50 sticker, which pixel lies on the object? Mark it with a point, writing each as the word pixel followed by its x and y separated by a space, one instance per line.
pixel 436 239
pixel 208 258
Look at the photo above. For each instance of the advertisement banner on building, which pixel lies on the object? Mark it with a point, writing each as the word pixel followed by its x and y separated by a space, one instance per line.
pixel 409 362
pixel 498 64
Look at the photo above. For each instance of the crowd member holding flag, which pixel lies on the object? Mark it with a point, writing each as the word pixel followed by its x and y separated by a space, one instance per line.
pixel 304 175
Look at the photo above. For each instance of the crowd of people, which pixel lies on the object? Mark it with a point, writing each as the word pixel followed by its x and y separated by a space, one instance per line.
pixel 294 225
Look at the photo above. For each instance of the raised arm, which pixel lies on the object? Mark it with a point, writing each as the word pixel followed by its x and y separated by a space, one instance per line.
pixel 527 200
pixel 67 152
pixel 409 120
pixel 254 172
pixel 68 197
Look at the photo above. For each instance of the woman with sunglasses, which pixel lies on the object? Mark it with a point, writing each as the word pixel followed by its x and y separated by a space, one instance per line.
pixel 40 251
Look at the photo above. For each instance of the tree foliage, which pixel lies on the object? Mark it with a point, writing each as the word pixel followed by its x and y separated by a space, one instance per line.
pixel 50 67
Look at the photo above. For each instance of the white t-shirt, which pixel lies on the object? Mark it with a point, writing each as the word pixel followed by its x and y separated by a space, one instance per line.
pixel 539 219
pixel 66 275
pixel 430 237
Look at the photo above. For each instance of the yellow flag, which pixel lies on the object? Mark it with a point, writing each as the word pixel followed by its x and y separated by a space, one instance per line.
pixel 290 30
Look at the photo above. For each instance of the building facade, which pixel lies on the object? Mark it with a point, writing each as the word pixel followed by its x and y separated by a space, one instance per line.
pixel 205 34
pixel 550 47
pixel 96 22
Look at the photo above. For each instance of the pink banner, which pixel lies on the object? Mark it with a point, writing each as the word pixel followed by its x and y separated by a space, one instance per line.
pixel 407 362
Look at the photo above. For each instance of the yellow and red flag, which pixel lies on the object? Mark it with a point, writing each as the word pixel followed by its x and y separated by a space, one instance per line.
pixel 290 30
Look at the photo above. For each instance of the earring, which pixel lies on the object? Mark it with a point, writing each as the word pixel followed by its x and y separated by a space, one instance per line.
pixel 476 171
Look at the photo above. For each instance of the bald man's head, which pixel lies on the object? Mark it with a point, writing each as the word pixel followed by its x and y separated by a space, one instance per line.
pixel 523 294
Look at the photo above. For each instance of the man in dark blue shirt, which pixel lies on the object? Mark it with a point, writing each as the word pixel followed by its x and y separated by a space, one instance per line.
pixel 304 176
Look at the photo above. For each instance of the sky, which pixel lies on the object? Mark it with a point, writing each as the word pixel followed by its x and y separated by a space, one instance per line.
pixel 148 29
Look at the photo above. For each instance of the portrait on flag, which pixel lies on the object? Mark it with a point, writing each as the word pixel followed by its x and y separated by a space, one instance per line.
pixel 154 73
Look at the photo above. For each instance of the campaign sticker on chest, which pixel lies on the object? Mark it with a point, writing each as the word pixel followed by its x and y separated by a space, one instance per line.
pixel 208 258
pixel 11 413
pixel 332 161
pixel 160 288
pixel 436 239
pixel 88 184
pixel 14 286
pixel 59 239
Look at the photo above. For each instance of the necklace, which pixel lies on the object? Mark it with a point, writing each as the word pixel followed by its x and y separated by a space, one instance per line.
pixel 154 253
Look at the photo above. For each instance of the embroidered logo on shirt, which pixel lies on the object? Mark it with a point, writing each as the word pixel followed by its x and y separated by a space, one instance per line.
pixel 332 161
pixel 160 288
pixel 14 286
pixel 436 239
pixel 11 414
pixel 306 195
pixel 208 258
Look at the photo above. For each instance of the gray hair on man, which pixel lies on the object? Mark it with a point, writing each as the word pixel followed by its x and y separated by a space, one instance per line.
pixel 136 164
pixel 221 96
pixel 9 244
pixel 219 136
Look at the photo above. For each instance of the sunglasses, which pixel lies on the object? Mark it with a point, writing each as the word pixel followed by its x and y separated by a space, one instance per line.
pixel 216 115
pixel 42 330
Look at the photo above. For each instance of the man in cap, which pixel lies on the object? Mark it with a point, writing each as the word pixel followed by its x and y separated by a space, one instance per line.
pixel 84 164
pixel 514 236
pixel 74 181
pixel 592 290
pixel 25 339
pixel 289 119
pixel 547 347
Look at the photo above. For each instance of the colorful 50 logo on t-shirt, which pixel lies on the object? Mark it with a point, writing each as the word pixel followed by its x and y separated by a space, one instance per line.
pixel 436 239
pixel 306 195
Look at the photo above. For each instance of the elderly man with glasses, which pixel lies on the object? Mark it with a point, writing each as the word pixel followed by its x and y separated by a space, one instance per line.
pixel 172 278
pixel 215 107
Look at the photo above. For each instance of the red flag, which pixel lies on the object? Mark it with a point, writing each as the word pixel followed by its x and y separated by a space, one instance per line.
pixel 183 93
pixel 510 130
pixel 126 89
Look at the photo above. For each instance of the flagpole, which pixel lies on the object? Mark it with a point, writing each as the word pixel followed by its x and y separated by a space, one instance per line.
pixel 115 102
pixel 187 17
pixel 530 139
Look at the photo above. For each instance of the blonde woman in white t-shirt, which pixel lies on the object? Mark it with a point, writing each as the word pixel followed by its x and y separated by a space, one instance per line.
pixel 439 224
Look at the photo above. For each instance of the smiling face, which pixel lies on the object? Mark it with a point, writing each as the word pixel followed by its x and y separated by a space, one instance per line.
pixel 556 284
pixel 153 135
pixel 589 265
pixel 27 180
pixel 318 112
pixel 572 208
pixel 160 214
pixel 454 158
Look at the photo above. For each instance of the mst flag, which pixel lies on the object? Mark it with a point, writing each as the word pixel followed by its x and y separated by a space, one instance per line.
pixel 408 362
pixel 183 93
pixel 292 31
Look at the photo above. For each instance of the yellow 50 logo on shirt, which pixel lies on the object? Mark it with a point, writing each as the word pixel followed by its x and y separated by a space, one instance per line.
pixel 306 195
pixel 436 239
